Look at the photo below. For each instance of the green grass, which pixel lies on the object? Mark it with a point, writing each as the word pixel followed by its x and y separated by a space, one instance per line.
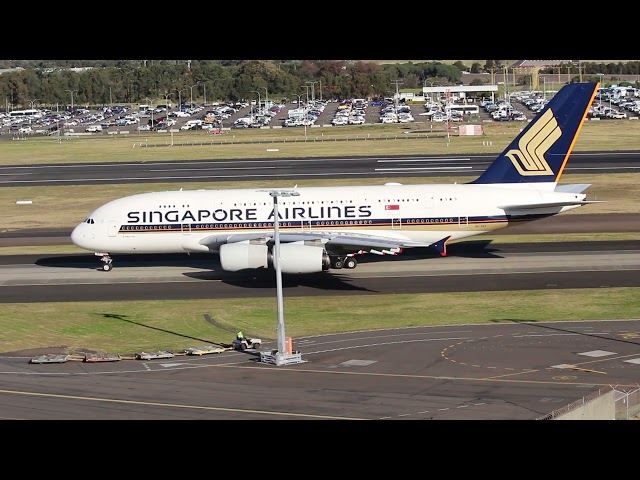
pixel 410 139
pixel 129 327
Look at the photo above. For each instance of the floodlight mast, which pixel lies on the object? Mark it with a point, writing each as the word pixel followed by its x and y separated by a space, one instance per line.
pixel 275 193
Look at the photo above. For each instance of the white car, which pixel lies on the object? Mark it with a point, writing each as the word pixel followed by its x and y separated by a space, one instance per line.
pixel 144 128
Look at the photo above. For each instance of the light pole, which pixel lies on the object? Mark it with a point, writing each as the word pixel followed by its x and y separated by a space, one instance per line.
pixel 150 108
pixel 431 84
pixel 506 83
pixel 313 94
pixel 166 102
pixel 266 98
pixel 180 98
pixel 71 92
pixel 282 349
pixel 204 90
pixel 299 95
pixel 32 103
pixel 256 91
pixel 191 88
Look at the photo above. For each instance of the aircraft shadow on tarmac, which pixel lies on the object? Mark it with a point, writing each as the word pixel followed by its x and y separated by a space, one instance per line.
pixel 266 279
pixel 468 249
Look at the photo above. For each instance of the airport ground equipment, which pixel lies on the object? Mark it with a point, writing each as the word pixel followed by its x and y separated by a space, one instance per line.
pixel 50 358
pixel 246 343
pixel 98 357
pixel 204 350
pixel 154 355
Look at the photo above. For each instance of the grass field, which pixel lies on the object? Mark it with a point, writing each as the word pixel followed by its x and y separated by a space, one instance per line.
pixel 127 327
pixel 417 138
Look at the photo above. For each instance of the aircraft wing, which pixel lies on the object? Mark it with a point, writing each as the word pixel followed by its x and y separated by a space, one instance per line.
pixel 333 241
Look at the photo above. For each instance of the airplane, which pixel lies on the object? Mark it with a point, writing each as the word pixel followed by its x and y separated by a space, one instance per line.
pixel 324 228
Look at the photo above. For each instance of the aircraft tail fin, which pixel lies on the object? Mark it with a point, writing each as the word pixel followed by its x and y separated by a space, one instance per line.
pixel 540 152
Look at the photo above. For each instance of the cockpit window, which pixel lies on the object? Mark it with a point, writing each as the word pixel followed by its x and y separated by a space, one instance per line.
pixel 89 220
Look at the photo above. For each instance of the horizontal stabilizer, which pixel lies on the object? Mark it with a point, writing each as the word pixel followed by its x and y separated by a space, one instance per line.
pixel 531 206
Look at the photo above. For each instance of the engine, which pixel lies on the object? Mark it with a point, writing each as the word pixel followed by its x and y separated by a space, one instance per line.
pixel 295 257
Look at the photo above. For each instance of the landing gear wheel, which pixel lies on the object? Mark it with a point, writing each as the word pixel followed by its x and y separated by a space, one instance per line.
pixel 337 263
pixel 108 263
pixel 350 263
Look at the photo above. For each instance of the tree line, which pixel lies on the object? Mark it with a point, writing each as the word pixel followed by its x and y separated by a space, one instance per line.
pixel 111 82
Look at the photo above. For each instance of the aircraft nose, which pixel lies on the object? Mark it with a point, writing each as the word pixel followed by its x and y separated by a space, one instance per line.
pixel 79 235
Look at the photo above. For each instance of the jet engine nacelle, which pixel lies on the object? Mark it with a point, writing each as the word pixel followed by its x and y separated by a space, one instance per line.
pixel 294 257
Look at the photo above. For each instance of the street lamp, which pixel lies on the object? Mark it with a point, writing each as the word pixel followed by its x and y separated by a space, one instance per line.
pixel 299 95
pixel 150 108
pixel 256 91
pixel 191 88
pixel 204 90
pixel 72 92
pixel 313 94
pixel 180 98
pixel 32 103
pixel 282 349
pixel 266 97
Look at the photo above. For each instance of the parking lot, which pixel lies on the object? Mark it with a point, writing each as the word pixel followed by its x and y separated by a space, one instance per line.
pixel 216 117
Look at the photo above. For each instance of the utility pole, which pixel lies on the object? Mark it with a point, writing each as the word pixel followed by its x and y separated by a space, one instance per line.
pixel 72 92
pixel 397 96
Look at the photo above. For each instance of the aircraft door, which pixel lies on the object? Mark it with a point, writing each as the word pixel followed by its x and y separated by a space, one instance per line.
pixel 463 222
pixel 186 228
pixel 113 228
pixel 428 201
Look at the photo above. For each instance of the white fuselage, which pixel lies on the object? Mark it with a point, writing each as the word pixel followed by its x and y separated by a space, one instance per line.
pixel 176 221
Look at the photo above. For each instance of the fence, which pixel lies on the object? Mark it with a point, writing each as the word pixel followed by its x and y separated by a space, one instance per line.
pixel 626 404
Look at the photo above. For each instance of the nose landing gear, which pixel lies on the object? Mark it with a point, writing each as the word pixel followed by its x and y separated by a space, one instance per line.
pixel 107 262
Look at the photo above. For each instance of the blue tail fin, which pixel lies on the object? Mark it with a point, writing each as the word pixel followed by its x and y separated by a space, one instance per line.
pixel 540 152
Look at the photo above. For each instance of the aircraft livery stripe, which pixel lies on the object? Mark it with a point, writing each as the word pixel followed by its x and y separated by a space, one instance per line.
pixel 406 222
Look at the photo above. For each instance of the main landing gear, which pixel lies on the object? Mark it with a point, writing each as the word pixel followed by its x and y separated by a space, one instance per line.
pixel 343 262
pixel 107 262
